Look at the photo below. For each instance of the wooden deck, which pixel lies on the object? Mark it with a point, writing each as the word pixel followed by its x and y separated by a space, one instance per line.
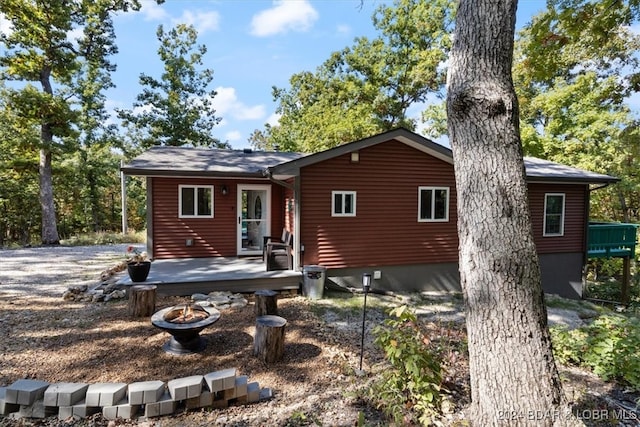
pixel 187 276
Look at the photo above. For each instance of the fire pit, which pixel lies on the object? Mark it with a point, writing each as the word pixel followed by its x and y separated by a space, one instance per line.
pixel 184 322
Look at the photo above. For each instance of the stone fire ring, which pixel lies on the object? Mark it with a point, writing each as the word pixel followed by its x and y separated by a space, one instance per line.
pixel 185 337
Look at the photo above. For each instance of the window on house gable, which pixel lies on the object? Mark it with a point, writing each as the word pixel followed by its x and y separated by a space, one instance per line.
pixel 433 204
pixel 196 201
pixel 554 214
pixel 343 203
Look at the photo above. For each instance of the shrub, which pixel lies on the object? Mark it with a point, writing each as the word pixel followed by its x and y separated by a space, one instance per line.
pixel 608 346
pixel 411 388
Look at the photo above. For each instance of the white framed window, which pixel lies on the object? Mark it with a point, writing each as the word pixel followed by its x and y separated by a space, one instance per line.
pixel 433 204
pixel 553 214
pixel 195 201
pixel 343 203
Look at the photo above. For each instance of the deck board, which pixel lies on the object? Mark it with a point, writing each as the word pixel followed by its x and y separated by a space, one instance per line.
pixel 186 276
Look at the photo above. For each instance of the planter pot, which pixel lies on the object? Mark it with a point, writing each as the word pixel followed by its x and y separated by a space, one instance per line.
pixel 138 272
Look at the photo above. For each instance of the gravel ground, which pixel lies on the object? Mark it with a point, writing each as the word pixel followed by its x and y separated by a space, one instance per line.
pixel 49 271
pixel 44 337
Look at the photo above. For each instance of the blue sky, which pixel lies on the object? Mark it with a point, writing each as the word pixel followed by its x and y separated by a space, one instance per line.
pixel 252 45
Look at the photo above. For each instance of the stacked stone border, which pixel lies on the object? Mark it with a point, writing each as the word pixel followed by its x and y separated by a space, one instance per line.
pixel 28 398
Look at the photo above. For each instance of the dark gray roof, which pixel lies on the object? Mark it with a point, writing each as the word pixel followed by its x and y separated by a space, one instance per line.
pixel 181 161
pixel 184 161
pixel 545 170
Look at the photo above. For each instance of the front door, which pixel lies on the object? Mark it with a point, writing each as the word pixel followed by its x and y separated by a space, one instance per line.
pixel 253 217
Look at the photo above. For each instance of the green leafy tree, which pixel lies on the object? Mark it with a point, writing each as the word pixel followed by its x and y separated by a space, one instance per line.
pixel 368 87
pixel 177 108
pixel 94 164
pixel 576 65
pixel 18 176
pixel 38 53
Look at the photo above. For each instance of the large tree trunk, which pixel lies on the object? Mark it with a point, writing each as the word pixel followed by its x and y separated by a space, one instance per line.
pixel 47 206
pixel 49 223
pixel 514 380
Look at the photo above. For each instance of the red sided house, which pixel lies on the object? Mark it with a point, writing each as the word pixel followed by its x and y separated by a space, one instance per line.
pixel 384 205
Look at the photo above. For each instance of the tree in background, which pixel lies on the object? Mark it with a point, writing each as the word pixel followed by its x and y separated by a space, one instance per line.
pixel 19 206
pixel 511 363
pixel 369 87
pixel 176 109
pixel 38 50
pixel 576 66
pixel 94 165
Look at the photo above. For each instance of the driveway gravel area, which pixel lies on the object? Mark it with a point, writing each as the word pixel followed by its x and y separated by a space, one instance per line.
pixel 49 271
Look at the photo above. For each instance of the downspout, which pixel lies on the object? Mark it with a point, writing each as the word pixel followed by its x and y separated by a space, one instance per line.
pixel 123 199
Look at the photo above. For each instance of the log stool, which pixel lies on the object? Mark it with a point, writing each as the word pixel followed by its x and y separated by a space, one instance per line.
pixel 268 343
pixel 142 300
pixel 266 302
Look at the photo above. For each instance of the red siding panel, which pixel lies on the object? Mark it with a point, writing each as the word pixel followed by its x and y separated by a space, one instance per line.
pixel 212 237
pixel 385 230
pixel 576 199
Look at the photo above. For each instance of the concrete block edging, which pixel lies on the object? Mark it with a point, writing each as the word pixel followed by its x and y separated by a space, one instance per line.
pixel 27 398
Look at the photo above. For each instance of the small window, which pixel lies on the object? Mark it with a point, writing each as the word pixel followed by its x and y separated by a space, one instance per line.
pixel 554 214
pixel 343 203
pixel 433 204
pixel 196 201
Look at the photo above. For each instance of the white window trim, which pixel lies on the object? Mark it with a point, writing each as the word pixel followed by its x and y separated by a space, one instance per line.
pixel 433 204
pixel 343 194
pixel 195 200
pixel 544 224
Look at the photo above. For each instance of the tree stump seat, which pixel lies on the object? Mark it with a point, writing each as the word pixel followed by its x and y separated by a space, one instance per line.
pixel 142 300
pixel 268 343
pixel 266 303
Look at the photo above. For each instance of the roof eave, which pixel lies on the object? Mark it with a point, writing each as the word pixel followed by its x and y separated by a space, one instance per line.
pixel 171 173
pixel 585 180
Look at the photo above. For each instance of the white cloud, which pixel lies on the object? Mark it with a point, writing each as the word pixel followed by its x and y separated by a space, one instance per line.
pixel 226 103
pixel 201 21
pixel 234 135
pixel 343 29
pixel 284 16
pixel 274 119
pixel 6 27
pixel 152 11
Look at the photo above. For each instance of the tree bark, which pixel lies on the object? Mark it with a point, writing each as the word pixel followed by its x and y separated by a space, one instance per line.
pixel 49 222
pixel 142 300
pixel 514 380
pixel 268 343
pixel 266 303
